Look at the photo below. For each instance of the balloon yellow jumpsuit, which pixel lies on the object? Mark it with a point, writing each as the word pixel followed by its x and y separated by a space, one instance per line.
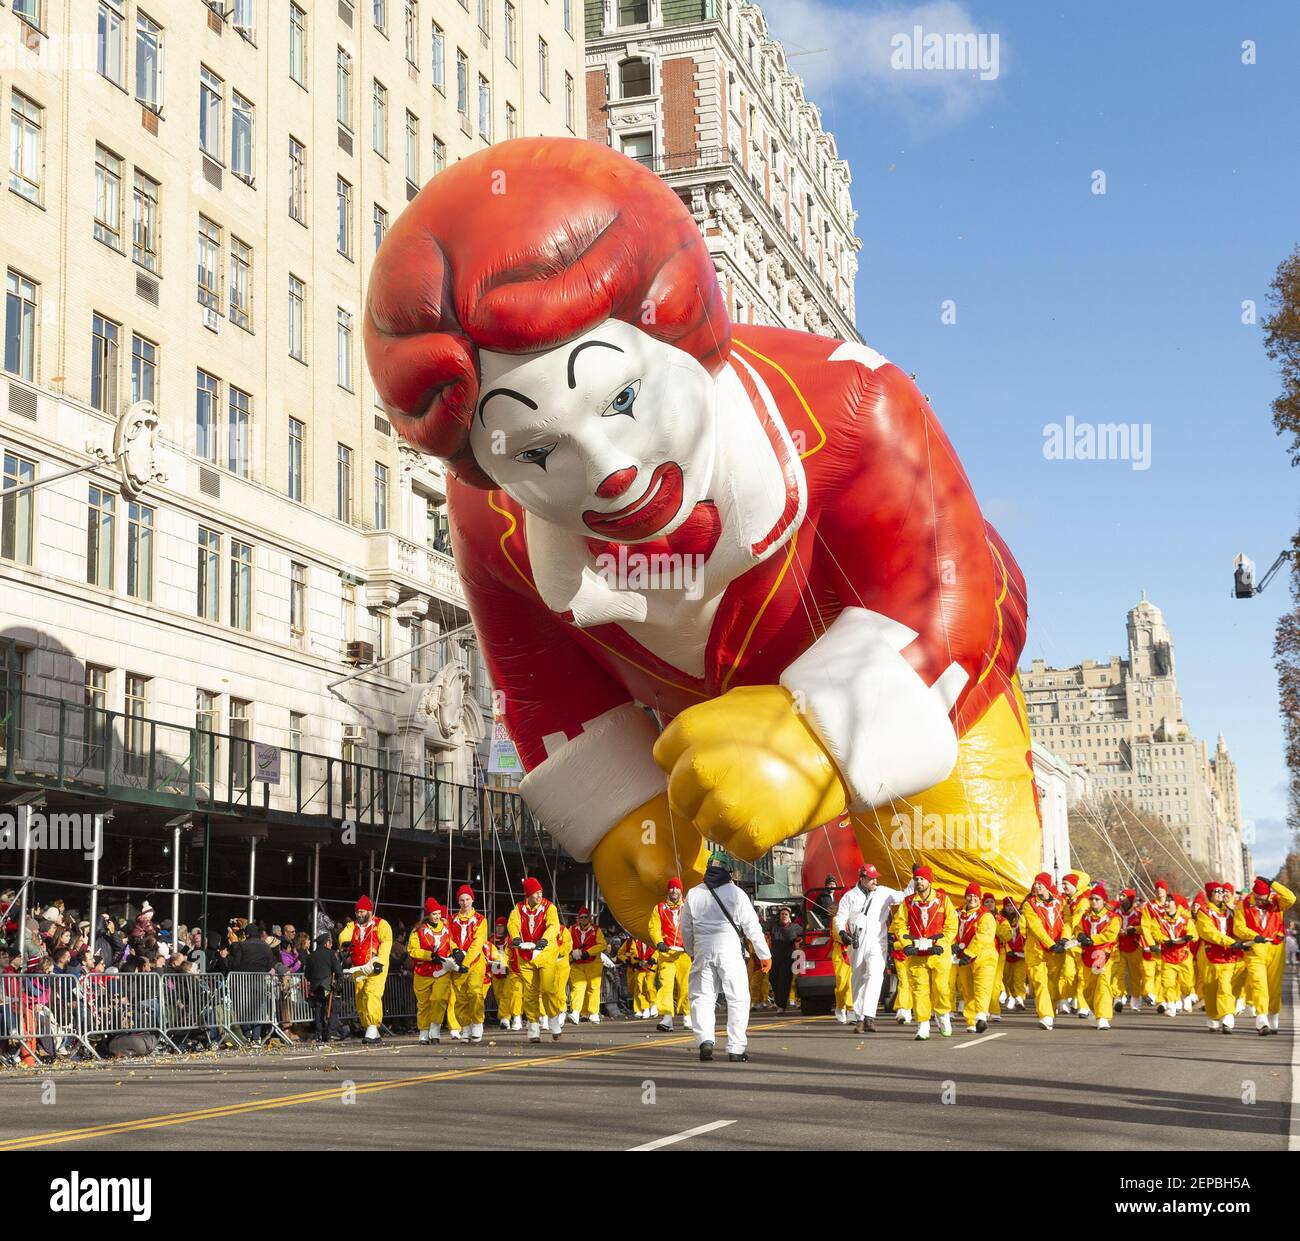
pixel 587 971
pixel 673 966
pixel 977 941
pixel 1043 926
pixel 1214 930
pixel 1099 931
pixel 929 969
pixel 1258 917
pixel 432 982
pixel 563 967
pixel 376 946
pixel 469 935
pixel 506 989
pixel 536 965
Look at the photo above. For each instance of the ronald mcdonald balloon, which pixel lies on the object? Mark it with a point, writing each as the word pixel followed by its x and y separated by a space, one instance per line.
pixel 731 580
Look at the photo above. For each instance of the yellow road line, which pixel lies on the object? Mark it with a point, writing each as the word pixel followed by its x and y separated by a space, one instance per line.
pixel 60 1137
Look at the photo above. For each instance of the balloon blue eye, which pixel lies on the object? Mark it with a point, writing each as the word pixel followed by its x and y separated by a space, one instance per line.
pixel 624 402
pixel 535 456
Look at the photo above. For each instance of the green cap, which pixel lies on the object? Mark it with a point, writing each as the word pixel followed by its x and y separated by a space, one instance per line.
pixel 719 857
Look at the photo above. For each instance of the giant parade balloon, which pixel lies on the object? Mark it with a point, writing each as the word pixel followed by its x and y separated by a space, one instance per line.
pixel 731 581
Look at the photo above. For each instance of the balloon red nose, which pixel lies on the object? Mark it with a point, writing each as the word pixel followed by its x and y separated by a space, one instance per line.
pixel 617 483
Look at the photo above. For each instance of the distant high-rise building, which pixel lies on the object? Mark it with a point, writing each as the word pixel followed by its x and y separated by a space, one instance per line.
pixel 1122 721
pixel 699 91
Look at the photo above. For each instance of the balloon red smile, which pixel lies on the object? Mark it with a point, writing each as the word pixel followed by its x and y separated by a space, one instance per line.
pixel 646 515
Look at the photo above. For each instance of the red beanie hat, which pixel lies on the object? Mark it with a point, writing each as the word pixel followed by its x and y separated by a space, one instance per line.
pixel 1161 886
pixel 972 888
pixel 431 904
pixel 502 922
pixel 531 885
pixel 1099 889
pixel 365 903
pixel 674 882
pixel 1211 885
pixel 923 872
pixel 867 871
pixel 1044 878
pixel 1070 878
pixel 1129 894
pixel 464 890
pixel 584 912
pixel 583 234
pixel 1180 900
pixel 1261 887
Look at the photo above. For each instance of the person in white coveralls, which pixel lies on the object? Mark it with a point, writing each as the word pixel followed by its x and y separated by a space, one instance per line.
pixel 862 924
pixel 716 919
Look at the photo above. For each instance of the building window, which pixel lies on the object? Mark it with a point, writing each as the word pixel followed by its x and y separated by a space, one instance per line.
pixel 17 510
pixel 144 229
pixel 205 416
pixel 343 490
pixel 462 82
pixel 209 264
pixel 205 740
pixel 343 350
pixel 20 326
pixel 297 603
pixel 381 226
pixel 211 96
pixel 239 431
pixel 26 122
pixel 298 45
pixel 512 121
pixel 412 32
pixel 139 551
pixel 484 108
pixel 209 574
pixel 297 433
pixel 343 90
pixel 412 149
pixel 543 68
pixel 633 79
pixel 568 16
pixel 31 11
pixel 297 732
pixel 511 33
pixel 241 284
pixel 137 726
pixel 568 101
pixel 297 181
pixel 108 198
pixel 96 716
pixel 103 364
pixel 381 16
pixel 438 61
pixel 297 338
pixel 241 585
pixel 485 16
pixel 241 136
pixel 379 118
pixel 100 515
pixel 241 748
pixel 148 61
pixel 348 608
pixel 244 18
pixel 381 496
pixel 144 370
pixel 343 217
pixel 110 37
pixel 439 155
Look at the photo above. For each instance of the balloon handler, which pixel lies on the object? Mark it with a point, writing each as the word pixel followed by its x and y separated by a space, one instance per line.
pixel 369 941
pixel 732 576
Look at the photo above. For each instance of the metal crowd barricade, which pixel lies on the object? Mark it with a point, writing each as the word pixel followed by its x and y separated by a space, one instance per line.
pixel 123 1004
pixel 399 996
pixel 43 1010
pixel 255 1005
pixel 198 1002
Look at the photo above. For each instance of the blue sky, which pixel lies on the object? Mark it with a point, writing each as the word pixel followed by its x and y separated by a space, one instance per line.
pixel 1121 307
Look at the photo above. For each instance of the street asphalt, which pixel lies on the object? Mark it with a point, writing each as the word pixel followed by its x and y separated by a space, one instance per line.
pixel 1149 1084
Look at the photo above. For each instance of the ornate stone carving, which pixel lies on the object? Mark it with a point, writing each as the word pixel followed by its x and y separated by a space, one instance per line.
pixel 136 444
pixel 445 709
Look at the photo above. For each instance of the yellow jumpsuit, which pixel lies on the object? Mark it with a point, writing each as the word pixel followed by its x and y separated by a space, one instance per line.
pixel 506 988
pixel 1136 973
pixel 640 979
pixel 760 983
pixel 897 929
pixel 1070 984
pixel 1265 963
pixel 1038 920
pixel 1094 960
pixel 537 972
pixel 469 934
pixel 975 981
pixel 432 991
pixel 1014 972
pixel 930 974
pixel 585 975
pixel 370 987
pixel 672 968
pixel 843 976
pixel 563 967
pixel 1171 978
pixel 1002 937
pixel 1213 929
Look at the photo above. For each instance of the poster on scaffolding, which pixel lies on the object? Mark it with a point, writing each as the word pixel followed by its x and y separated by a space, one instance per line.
pixel 503 759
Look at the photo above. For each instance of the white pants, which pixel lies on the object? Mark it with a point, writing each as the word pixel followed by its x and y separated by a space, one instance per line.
pixel 868 977
pixel 713 970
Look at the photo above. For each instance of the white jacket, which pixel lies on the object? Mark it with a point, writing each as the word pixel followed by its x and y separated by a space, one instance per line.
pixel 705 928
pixel 868 914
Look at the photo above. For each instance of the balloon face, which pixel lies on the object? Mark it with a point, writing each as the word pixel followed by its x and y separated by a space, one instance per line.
pixel 610 435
